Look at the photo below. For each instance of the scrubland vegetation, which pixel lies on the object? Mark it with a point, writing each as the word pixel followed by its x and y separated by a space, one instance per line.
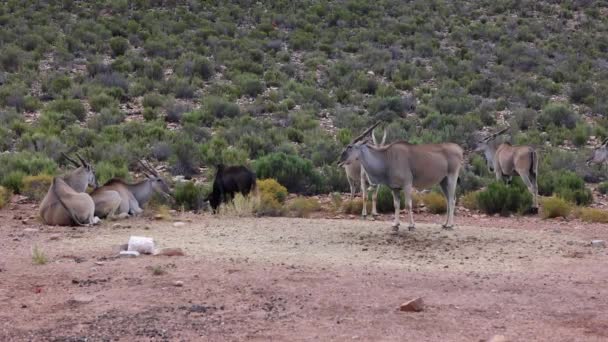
pixel 283 86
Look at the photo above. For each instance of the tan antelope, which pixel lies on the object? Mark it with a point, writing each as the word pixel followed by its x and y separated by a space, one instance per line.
pixel 506 160
pixel 66 203
pixel 355 177
pixel 402 166
pixel 600 154
pixel 119 199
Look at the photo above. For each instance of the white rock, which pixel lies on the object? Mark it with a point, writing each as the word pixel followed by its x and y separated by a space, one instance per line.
pixel 598 243
pixel 178 283
pixel 129 254
pixel 179 224
pixel 141 244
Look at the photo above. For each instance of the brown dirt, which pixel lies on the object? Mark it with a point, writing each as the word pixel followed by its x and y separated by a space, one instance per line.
pixel 291 279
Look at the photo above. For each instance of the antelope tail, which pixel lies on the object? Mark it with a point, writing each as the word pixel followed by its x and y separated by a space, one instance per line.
pixel 72 216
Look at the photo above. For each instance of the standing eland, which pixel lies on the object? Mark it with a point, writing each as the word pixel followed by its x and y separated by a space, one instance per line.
pixel 355 175
pixel 599 155
pixel 403 166
pixel 506 160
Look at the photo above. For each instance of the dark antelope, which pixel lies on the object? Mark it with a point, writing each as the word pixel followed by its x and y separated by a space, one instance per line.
pixel 402 166
pixel 228 181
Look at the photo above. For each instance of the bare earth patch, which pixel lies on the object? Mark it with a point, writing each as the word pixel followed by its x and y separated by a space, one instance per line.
pixel 305 279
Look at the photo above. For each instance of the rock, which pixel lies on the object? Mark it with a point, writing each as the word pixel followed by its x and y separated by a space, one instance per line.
pixel 55 237
pixel 24 221
pixel 169 252
pixel 179 224
pixel 31 230
pixel 80 299
pixel 141 244
pixel 178 283
pixel 116 226
pixel 598 243
pixel 99 263
pixel 415 305
pixel 129 254
pixel 498 338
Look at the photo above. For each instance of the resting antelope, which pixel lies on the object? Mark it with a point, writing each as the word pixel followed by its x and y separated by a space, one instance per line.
pixel 119 199
pixel 506 160
pixel 402 166
pixel 600 154
pixel 356 176
pixel 66 205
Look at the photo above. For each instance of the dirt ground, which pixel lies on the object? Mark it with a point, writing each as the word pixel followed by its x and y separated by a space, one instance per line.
pixel 286 279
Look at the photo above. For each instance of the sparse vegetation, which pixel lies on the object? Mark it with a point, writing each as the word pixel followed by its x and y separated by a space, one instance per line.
pixel 4 196
pixel 554 206
pixel 434 202
pixel 303 207
pixel 36 187
pixel 498 198
pixel 38 256
pixel 592 215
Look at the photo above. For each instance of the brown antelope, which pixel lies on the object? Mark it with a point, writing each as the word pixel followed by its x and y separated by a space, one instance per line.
pixel 402 166
pixel 355 175
pixel 119 199
pixel 66 203
pixel 506 160
pixel 600 154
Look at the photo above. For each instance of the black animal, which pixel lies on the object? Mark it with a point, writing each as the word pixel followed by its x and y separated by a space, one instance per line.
pixel 228 181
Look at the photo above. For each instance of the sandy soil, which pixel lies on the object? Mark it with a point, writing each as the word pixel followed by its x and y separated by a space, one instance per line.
pixel 286 279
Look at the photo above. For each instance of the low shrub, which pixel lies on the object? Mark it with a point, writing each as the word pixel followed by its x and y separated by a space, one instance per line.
pixel 470 200
pixel 153 100
pixel 295 173
pixel 555 207
pixel 74 107
pixel 384 202
pixel 434 202
pixel 119 46
pixel 14 181
pixel 565 184
pixel 36 187
pixel 105 170
pixel 38 256
pixel 273 188
pixel 499 198
pixel 303 207
pixel 268 205
pixel 101 101
pixel 355 207
pixel 188 196
pixel 240 206
pixel 4 196
pixel 558 115
pixel 593 215
pixel 603 188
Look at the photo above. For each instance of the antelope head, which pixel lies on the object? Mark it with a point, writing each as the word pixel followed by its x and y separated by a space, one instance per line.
pixel 84 168
pixel 600 154
pixel 156 180
pixel 486 146
pixel 352 152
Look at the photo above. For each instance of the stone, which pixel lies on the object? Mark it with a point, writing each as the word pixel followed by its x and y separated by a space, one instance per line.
pixel 415 305
pixel 129 254
pixel 158 217
pixel 598 243
pixel 116 226
pixel 31 230
pixel 178 283
pixel 169 252
pixel 55 237
pixel 498 338
pixel 80 299
pixel 141 244
pixel 179 224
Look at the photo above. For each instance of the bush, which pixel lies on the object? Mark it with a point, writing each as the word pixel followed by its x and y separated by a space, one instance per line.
pixel 36 187
pixel 555 207
pixel 272 188
pixel 15 166
pixel 295 173
pixel 558 115
pixel 13 181
pixel 4 196
pixel 384 202
pixel 434 202
pixel 188 196
pixel 593 215
pixel 101 101
pixel 240 206
pixel 104 171
pixel 355 207
pixel 74 107
pixel 268 206
pixel 499 198
pixel 249 85
pixel 303 207
pixel 153 100
pixel 221 108
pixel 119 46
pixel 470 200
pixel 565 184
pixel 603 188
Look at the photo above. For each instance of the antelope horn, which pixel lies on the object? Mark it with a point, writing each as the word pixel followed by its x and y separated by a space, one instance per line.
pixel 494 135
pixel 605 142
pixel 148 168
pixel 374 137
pixel 70 159
pixel 84 162
pixel 365 133
pixel 383 138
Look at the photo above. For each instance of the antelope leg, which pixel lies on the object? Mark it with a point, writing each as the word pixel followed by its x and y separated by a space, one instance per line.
pixel 363 194
pixel 375 200
pixel 451 197
pixel 531 188
pixel 397 205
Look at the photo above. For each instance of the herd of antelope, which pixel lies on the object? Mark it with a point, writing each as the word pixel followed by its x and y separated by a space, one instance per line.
pixel 399 165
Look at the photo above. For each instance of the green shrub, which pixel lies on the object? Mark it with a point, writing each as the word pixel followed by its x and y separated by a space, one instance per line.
pixel 188 196
pixel 555 207
pixel 74 107
pixel 13 181
pixel 384 202
pixel 101 101
pixel 272 188
pixel 268 206
pixel 250 85
pixel 603 188
pixel 119 46
pixel 470 200
pixel 303 207
pixel 559 115
pixel 150 114
pixel 15 166
pixel 295 173
pixel 153 100
pixel 36 187
pixel 593 215
pixel 565 184
pixel 105 170
pixel 221 108
pixel 434 202
pixel 355 207
pixel 499 198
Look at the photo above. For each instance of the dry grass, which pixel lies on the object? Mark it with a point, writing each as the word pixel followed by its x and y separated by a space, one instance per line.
pixel 38 256
pixel 553 207
pixel 469 200
pixel 592 215
pixel 303 207
pixel 241 206
pixel 4 196
pixel 163 212
pixel 36 187
pixel 434 202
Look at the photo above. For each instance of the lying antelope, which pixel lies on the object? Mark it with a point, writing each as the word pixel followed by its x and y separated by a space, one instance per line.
pixel 402 166
pixel 66 203
pixel 357 177
pixel 119 199
pixel 506 160
pixel 600 154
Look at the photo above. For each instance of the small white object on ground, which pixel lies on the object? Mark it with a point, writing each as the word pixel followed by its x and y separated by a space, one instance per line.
pixel 179 224
pixel 129 254
pixel 178 283
pixel 141 244
pixel 598 243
